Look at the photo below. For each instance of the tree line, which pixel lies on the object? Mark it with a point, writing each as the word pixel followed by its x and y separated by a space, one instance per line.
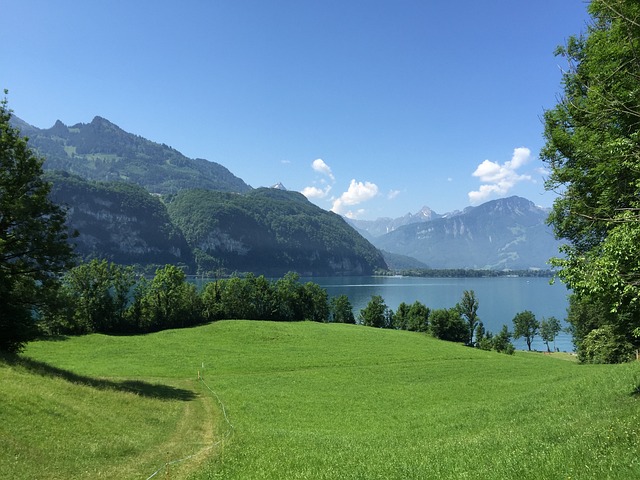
pixel 459 323
pixel 103 297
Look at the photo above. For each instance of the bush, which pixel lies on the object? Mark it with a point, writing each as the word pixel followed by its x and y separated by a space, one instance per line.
pixel 604 345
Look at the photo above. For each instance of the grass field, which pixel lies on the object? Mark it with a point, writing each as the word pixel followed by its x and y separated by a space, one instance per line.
pixel 307 400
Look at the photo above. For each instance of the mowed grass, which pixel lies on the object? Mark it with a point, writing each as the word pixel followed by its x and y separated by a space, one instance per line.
pixel 316 401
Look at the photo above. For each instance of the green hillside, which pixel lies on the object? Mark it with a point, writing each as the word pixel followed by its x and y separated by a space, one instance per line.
pixel 271 232
pixel 308 400
pixel 102 151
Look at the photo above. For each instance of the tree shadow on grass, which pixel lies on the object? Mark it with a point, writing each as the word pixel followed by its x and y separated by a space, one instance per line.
pixel 138 387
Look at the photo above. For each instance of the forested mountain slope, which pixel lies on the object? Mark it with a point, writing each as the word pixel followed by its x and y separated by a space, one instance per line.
pixel 270 231
pixel 121 222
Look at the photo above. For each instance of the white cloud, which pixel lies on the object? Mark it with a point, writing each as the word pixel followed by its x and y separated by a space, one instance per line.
pixel 353 215
pixel 319 166
pixel 393 194
pixel 315 192
pixel 357 193
pixel 498 179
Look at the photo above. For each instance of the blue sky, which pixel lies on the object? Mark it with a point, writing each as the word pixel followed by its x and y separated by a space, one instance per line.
pixel 371 108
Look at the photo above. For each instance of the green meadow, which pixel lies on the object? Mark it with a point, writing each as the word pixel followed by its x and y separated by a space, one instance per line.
pixel 272 400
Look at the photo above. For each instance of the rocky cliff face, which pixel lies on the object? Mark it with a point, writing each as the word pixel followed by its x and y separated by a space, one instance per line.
pixel 120 222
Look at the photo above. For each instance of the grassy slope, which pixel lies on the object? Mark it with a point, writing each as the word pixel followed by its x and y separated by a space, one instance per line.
pixel 315 401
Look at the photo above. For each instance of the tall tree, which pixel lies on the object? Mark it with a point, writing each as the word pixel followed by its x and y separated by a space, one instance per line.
pixel 469 309
pixel 418 317
pixel 34 250
pixel 593 153
pixel 549 329
pixel 167 301
pixel 341 310
pixel 98 293
pixel 525 325
pixel 376 313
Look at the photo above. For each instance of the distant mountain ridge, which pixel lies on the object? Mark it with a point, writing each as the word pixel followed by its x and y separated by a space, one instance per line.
pixel 508 233
pixel 102 151
pixel 381 226
pixel 229 225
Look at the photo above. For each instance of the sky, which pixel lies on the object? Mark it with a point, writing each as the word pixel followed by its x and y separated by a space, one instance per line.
pixel 370 108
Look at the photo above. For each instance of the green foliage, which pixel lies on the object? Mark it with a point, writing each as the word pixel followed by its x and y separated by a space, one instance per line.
pixel 97 298
pixel 414 317
pixel 593 151
pixel 167 301
pixel 401 316
pixel 525 325
pixel 418 317
pixel 119 221
pixel 33 239
pixel 469 309
pixel 501 342
pixel 341 310
pixel 605 345
pixel 549 329
pixel 271 232
pixel 102 151
pixel 447 324
pixel 376 314
pixel 315 301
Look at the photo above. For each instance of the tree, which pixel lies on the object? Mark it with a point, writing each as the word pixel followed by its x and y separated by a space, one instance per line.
pixel 34 248
pixel 469 310
pixel 167 301
pixel 525 325
pixel 447 324
pixel 549 329
pixel 604 345
pixel 401 317
pixel 98 292
pixel 593 152
pixel 315 302
pixel 341 310
pixel 287 292
pixel 376 313
pixel 502 341
pixel 418 317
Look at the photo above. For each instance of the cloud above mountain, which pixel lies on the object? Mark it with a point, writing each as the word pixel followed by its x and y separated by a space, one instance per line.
pixel 357 193
pixel 321 167
pixel 316 192
pixel 499 179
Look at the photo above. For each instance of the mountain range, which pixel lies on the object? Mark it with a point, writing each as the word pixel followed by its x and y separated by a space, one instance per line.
pixel 135 201
pixel 102 151
pixel 508 233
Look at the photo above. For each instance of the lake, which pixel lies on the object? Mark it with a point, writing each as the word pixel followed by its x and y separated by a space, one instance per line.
pixel 499 298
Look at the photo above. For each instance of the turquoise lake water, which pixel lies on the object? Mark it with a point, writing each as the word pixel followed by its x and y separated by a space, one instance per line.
pixel 500 298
